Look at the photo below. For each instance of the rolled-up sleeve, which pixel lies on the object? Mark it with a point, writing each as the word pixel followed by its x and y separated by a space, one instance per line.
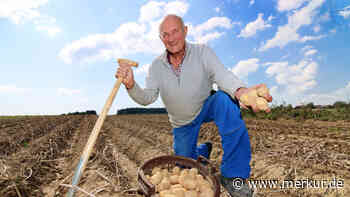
pixel 149 94
pixel 225 79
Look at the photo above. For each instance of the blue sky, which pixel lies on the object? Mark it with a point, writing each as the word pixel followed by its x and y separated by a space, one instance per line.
pixel 60 56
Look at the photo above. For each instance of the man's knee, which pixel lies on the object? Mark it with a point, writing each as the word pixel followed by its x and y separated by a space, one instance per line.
pixel 223 97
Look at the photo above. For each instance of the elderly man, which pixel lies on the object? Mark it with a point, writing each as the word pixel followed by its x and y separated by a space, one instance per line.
pixel 183 76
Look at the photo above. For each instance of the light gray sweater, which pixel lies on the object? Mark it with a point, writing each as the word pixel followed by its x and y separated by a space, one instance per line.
pixel 185 95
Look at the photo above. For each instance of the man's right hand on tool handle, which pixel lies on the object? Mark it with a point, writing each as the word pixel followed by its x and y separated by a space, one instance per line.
pixel 125 72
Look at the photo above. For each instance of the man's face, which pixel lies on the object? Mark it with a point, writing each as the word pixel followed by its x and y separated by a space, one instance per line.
pixel 173 35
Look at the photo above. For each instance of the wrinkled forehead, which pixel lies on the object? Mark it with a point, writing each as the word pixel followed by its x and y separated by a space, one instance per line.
pixel 170 23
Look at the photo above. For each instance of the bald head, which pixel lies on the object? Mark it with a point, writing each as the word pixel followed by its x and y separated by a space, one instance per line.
pixel 171 18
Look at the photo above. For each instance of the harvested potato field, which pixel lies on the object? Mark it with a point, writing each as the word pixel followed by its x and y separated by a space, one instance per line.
pixel 39 154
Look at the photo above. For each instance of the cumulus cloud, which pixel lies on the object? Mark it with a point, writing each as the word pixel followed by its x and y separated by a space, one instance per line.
pixel 140 36
pixel 251 2
pixel 345 12
pixel 244 67
pixel 12 89
pixel 310 38
pixel 289 32
pixel 151 11
pixel 325 17
pixel 52 31
pixel 310 52
pixel 317 28
pixel 253 27
pixel 296 78
pixel 19 12
pixel 129 38
pixel 68 91
pixel 207 31
pixel 341 94
pixel 286 5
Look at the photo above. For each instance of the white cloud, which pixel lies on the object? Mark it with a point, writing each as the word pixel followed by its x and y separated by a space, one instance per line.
pixel 341 94
pixel 206 31
pixel 176 7
pixel 288 33
pixel 52 31
pixel 151 11
pixel 19 12
pixel 317 28
pixel 333 31
pixel 251 28
pixel 244 67
pixel 217 9
pixel 68 91
pixel 310 52
pixel 286 5
pixel 142 69
pixel 141 36
pixel 307 47
pixel 12 89
pixel 325 17
pixel 310 38
pixel 296 78
pixel 270 18
pixel 129 38
pixel 345 12
pixel 154 10
pixel 251 2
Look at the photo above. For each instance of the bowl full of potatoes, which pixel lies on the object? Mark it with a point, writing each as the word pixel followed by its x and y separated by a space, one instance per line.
pixel 176 176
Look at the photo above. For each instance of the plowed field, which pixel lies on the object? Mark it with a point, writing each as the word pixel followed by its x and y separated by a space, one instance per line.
pixel 39 154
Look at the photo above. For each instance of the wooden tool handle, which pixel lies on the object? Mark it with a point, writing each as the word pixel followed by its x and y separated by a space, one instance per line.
pixel 96 130
pixel 93 136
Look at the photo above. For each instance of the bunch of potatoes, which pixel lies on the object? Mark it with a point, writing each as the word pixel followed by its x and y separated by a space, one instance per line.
pixel 180 183
pixel 257 96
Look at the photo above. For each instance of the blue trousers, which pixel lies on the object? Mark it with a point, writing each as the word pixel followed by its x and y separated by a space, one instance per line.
pixel 226 114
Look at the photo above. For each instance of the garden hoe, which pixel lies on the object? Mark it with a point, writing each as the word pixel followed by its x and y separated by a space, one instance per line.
pixel 95 131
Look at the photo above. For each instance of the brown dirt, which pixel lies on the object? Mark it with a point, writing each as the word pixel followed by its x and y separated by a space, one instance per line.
pixel 38 155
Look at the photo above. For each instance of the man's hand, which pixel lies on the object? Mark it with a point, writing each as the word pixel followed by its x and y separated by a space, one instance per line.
pixel 125 72
pixel 252 104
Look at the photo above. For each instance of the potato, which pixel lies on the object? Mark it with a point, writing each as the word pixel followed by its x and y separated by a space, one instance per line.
pixel 176 186
pixel 165 173
pixel 164 184
pixel 170 195
pixel 249 97
pixel 174 179
pixel 263 91
pixel 176 170
pixel 262 103
pixel 182 176
pixel 199 177
pixel 256 97
pixel 206 193
pixel 164 192
pixel 188 182
pixel 191 193
pixel 193 172
pixel 179 192
pixel 156 179
pixel 184 171
pixel 203 185
pixel 155 170
pixel 180 183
